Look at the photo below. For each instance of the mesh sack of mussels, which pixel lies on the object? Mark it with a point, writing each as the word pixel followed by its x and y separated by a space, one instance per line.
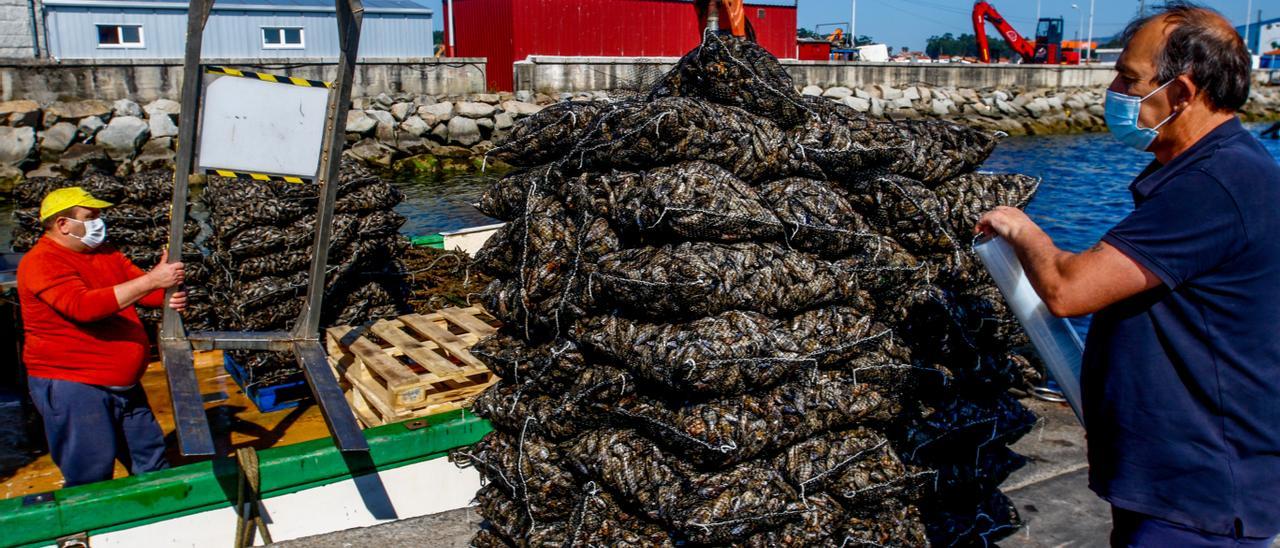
pixel 137 225
pixel 260 258
pixel 738 316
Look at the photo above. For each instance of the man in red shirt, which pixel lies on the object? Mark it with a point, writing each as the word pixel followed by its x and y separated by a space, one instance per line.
pixel 85 347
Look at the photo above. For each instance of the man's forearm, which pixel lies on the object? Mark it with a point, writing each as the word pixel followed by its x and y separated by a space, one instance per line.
pixel 132 291
pixel 1043 263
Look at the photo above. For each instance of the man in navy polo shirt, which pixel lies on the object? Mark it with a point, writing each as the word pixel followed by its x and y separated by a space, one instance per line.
pixel 1181 376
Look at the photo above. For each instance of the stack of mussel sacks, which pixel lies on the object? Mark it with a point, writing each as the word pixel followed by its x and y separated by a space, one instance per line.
pixel 137 225
pixel 260 254
pixel 738 316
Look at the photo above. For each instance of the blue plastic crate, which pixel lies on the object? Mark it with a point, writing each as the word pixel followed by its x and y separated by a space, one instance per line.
pixel 269 398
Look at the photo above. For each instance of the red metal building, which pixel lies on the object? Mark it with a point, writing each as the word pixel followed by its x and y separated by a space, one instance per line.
pixel 813 50
pixel 506 31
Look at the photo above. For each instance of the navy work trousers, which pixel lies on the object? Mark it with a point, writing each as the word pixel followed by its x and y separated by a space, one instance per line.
pixel 90 427
pixel 1136 530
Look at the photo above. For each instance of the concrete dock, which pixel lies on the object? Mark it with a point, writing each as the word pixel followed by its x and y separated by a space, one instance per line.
pixel 1051 494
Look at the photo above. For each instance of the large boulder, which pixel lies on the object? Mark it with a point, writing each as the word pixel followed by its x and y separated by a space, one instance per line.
pixel 889 93
pixel 486 98
pixel 162 126
pixel 16 145
pixel 125 107
pixel 415 126
pixel 475 110
pixel 81 155
pixel 441 132
pixel 89 127
pixel 123 136
pixel 503 120
pixel 47 170
pixel 373 152
pixel 857 103
pixel 814 91
pixel 358 121
pixel 57 138
pixel 385 130
pixel 74 111
pixel 163 106
pixel 157 154
pixel 442 111
pixel 942 107
pixel 464 131
pixel 401 110
pixel 20 113
pixel 520 108
pixel 1037 107
pixel 9 177
pixel 837 93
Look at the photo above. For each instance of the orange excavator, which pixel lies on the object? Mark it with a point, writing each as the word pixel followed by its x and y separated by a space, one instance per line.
pixel 738 24
pixel 1048 48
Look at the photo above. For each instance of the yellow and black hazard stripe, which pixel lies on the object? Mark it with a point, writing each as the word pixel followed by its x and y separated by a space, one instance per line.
pixel 256 176
pixel 290 80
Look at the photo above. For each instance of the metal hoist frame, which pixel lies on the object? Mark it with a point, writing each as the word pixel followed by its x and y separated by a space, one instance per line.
pixel 176 345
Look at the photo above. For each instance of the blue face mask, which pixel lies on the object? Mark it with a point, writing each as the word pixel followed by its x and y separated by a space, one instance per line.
pixel 1122 113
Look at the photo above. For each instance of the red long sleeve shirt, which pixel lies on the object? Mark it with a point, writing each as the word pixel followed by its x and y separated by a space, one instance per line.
pixel 74 329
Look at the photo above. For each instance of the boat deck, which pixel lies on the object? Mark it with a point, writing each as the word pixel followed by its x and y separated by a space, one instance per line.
pixel 234 420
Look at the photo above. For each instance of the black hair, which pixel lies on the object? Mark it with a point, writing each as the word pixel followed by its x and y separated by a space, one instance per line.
pixel 1202 44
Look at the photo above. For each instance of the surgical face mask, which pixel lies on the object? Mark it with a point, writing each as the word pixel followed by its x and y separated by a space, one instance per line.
pixel 95 232
pixel 1122 112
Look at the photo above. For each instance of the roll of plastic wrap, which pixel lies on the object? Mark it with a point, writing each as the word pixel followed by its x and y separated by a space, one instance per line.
pixel 1055 340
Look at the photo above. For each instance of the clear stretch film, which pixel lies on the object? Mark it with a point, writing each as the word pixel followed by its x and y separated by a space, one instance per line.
pixel 1056 341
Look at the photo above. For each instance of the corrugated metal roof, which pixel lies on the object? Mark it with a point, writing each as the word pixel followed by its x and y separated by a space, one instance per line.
pixel 371 6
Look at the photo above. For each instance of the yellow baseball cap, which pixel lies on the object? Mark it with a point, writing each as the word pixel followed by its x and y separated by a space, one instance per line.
pixel 64 198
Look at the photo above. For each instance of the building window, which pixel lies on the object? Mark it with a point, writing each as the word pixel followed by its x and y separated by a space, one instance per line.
pixel 760 13
pixel 120 36
pixel 282 38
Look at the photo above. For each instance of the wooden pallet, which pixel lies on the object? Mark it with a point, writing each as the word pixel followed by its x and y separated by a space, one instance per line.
pixel 411 366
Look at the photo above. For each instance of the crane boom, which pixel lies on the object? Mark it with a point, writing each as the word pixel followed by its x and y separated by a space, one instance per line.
pixel 733 8
pixel 983 12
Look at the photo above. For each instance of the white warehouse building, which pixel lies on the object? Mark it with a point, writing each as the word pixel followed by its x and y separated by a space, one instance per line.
pixel 237 29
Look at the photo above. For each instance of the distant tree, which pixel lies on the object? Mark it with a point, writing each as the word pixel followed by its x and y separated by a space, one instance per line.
pixel 807 34
pixel 437 37
pixel 966 45
pixel 864 40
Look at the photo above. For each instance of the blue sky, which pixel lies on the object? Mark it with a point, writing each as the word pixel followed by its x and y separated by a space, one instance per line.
pixel 911 22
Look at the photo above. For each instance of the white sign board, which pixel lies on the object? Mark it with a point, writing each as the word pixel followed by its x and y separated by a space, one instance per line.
pixel 262 127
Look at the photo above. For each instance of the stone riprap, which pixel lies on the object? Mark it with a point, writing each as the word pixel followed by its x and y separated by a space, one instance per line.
pixel 433 136
pixel 1016 112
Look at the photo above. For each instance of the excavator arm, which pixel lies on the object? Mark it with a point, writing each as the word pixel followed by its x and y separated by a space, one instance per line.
pixel 983 12
pixel 737 15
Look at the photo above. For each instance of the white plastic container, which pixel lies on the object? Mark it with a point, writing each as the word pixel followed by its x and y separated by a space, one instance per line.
pixel 1055 340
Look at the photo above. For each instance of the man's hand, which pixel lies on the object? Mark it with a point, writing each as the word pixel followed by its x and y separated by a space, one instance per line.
pixel 1071 284
pixel 1006 222
pixel 178 301
pixel 165 274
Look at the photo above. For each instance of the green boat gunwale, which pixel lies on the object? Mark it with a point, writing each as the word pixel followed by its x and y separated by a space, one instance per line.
pixel 203 486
